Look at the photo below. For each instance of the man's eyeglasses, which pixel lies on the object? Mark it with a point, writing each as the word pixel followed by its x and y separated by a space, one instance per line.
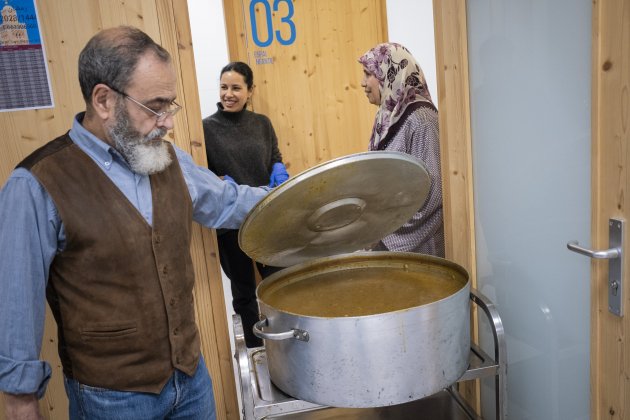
pixel 159 116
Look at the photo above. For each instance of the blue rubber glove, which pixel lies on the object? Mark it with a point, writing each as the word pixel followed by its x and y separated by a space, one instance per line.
pixel 279 174
pixel 228 178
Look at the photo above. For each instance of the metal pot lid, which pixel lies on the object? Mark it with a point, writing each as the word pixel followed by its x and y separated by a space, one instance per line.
pixel 339 206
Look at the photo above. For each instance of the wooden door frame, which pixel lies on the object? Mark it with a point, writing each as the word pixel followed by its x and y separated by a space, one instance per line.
pixel 610 137
pixel 210 306
pixel 451 51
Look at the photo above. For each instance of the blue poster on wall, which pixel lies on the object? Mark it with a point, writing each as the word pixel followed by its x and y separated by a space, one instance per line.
pixel 24 77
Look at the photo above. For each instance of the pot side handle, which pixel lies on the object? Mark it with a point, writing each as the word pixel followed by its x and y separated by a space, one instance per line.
pixel 294 333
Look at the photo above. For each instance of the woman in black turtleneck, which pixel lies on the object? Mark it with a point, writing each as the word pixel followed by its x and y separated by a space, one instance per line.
pixel 242 146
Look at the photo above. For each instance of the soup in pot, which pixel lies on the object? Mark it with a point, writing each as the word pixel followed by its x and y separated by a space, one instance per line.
pixel 360 292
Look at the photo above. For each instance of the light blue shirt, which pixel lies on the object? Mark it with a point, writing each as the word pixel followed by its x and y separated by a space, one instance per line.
pixel 31 234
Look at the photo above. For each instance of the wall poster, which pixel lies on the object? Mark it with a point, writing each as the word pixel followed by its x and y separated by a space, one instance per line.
pixel 24 78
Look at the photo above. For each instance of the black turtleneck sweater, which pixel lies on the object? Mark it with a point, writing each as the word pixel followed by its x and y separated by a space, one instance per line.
pixel 242 145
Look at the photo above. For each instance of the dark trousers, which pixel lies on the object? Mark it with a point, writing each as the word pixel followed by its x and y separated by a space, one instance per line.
pixel 240 270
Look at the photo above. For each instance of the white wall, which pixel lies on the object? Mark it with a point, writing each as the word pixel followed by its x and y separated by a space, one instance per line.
pixel 410 23
pixel 210 48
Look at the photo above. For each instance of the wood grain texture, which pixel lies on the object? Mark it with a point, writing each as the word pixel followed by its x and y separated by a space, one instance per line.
pixel 188 135
pixel 451 40
pixel 311 90
pixel 610 358
pixel 24 131
pixel 66 26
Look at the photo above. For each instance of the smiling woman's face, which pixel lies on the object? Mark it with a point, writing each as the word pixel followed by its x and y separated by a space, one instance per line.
pixel 372 88
pixel 233 91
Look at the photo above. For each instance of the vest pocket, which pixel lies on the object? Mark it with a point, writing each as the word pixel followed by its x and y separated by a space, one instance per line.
pixel 108 331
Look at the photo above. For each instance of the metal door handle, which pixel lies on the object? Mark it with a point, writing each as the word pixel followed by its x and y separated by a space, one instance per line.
pixel 615 267
pixel 608 253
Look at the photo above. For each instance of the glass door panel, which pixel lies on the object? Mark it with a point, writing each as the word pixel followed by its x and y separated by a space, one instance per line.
pixel 530 78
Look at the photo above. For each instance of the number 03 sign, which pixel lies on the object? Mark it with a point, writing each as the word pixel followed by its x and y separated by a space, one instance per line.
pixel 267 31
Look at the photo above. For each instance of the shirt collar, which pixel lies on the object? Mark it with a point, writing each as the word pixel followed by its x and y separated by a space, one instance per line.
pixel 101 152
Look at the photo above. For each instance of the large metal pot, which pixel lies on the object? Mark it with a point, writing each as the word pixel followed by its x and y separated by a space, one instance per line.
pixel 352 329
pixel 366 329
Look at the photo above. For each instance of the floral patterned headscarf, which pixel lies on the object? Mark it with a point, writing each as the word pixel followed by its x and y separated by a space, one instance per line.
pixel 402 83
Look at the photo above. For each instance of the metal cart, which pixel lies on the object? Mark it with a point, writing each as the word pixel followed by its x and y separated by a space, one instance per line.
pixel 262 400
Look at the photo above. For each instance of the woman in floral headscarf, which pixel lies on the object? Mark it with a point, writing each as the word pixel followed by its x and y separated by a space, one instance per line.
pixel 406 121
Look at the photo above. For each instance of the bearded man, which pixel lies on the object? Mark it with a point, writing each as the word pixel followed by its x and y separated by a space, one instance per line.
pixel 98 223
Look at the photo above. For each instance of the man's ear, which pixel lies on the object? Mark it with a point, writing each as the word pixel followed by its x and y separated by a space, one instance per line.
pixel 103 101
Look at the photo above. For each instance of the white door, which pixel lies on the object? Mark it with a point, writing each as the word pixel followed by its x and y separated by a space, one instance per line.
pixel 530 101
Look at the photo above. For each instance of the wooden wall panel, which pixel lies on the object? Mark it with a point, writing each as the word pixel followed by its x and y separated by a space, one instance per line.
pixel 139 13
pixel 455 137
pixel 451 40
pixel 312 90
pixel 210 305
pixel 210 295
pixel 610 358
pixel 66 26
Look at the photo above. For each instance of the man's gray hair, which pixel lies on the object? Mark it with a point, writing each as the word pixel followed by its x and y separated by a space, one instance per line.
pixel 111 56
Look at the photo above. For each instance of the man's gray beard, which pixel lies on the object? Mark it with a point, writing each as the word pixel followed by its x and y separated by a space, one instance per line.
pixel 145 155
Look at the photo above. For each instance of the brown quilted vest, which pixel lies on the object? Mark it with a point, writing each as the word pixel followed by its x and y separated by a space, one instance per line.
pixel 121 290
